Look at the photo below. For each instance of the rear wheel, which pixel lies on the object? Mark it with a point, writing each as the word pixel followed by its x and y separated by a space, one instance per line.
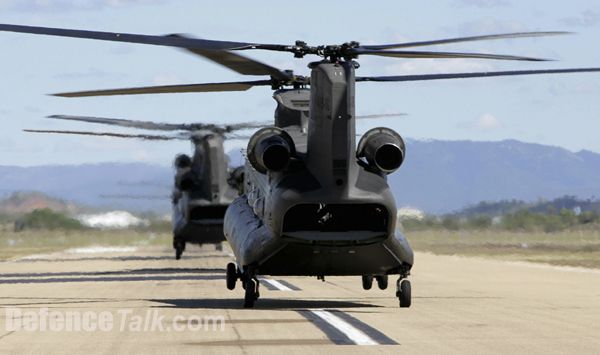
pixel 231 276
pixel 367 282
pixel 382 281
pixel 250 295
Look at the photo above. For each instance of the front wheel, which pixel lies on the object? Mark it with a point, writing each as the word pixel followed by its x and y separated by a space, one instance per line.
pixel 231 276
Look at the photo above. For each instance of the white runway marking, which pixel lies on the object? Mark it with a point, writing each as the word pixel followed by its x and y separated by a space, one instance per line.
pixel 278 285
pixel 100 250
pixel 357 336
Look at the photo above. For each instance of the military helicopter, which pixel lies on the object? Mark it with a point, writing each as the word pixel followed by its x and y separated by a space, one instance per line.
pixel 314 203
pixel 204 184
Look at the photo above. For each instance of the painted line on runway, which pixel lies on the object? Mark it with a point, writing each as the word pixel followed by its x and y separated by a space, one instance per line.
pixel 343 329
pixel 278 285
pixel 289 285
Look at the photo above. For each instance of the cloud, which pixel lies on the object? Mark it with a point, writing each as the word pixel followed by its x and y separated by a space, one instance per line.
pixel 45 6
pixel 483 3
pixel 588 18
pixel 486 122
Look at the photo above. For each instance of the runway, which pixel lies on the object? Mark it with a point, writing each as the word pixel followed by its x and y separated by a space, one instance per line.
pixel 460 306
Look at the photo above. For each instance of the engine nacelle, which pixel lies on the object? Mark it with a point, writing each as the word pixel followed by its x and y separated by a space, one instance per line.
pixel 383 149
pixel 270 149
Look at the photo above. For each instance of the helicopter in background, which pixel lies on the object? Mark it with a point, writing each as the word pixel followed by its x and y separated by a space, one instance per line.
pixel 204 184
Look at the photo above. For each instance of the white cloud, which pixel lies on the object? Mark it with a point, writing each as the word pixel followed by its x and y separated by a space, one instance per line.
pixel 487 122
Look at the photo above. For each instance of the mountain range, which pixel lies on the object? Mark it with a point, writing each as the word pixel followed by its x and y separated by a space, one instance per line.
pixel 437 177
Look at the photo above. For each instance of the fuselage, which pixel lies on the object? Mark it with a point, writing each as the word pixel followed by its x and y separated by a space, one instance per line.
pixel 326 213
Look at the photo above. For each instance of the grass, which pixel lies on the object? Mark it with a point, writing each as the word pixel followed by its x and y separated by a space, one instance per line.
pixel 577 247
pixel 13 244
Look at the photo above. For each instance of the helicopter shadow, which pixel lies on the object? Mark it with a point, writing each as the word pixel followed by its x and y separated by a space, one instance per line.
pixel 266 303
pixel 118 258
pixel 129 272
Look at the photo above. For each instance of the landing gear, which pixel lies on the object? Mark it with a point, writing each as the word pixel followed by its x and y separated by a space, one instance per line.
pixel 249 283
pixel 179 246
pixel 382 281
pixel 403 293
pixel 232 276
pixel 367 282
pixel 251 293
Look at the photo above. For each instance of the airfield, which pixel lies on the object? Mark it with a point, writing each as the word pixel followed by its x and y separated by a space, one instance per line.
pixel 460 305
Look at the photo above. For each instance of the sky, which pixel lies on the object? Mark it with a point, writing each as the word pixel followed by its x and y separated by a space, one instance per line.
pixel 558 110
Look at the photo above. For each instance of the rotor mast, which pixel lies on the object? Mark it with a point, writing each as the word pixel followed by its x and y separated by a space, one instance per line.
pixel 331 131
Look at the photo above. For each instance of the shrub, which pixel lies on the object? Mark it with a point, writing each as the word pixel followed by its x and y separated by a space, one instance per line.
pixel 47 219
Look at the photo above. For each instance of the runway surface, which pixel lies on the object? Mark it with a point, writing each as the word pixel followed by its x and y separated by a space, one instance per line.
pixel 460 305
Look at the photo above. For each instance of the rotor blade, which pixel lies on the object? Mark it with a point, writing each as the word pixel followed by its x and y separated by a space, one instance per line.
pixel 107 134
pixel 474 75
pixel 247 125
pixel 168 41
pixel 136 197
pixel 132 124
pixel 468 39
pixel 238 136
pixel 149 125
pixel 238 63
pixel 209 87
pixel 419 54
pixel 381 115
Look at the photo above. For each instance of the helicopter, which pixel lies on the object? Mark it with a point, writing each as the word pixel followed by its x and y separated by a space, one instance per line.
pixel 314 203
pixel 204 185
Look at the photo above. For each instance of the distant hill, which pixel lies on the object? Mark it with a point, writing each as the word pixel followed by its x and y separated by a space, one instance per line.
pixel 437 177
pixel 24 202
pixel 499 208
pixel 445 176
pixel 134 187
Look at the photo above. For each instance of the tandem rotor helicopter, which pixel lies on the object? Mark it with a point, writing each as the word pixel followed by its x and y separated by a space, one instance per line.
pixel 314 203
pixel 204 185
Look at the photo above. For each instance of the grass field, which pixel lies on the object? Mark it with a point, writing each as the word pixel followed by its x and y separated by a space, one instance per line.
pixel 579 247
pixel 30 242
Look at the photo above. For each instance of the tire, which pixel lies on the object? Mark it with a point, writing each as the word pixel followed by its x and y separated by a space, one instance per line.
pixel 382 281
pixel 179 248
pixel 250 295
pixel 231 276
pixel 367 282
pixel 405 294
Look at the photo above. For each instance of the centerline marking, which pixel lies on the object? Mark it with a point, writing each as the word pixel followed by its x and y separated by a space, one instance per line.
pixel 279 285
pixel 343 329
